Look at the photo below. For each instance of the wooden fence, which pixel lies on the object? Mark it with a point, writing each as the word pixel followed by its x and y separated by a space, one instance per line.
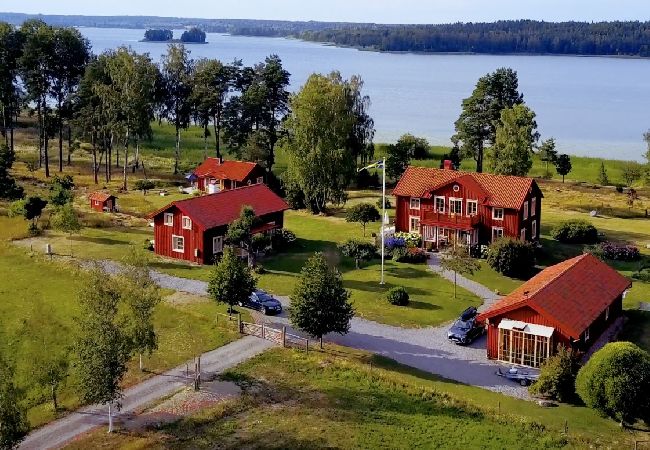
pixel 276 335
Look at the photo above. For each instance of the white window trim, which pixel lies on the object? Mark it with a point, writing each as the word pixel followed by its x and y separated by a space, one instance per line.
pixel 260 180
pixel 216 239
pixel 169 223
pixel 493 233
pixel 416 230
pixel 503 213
pixel 186 227
pixel 526 210
pixel 473 202
pixel 182 240
pixel 435 204
pixel 411 203
pixel 456 199
pixel 533 206
pixel 586 334
pixel 522 234
pixel 607 314
pixel 534 229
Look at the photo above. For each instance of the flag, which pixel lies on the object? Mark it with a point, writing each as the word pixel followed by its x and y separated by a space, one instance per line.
pixel 377 165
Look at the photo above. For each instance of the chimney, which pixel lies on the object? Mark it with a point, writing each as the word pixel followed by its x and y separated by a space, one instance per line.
pixel 448 164
pixel 220 160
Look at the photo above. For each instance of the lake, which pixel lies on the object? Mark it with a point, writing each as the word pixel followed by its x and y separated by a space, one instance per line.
pixel 591 106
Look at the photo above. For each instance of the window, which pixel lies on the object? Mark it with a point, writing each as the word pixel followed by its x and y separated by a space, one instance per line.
pixel 533 206
pixel 414 224
pixel 260 180
pixel 522 236
pixel 455 205
pixel 217 244
pixel 440 204
pixel 187 223
pixel 472 207
pixel 534 230
pixel 525 210
pixel 607 314
pixel 415 203
pixel 178 244
pixel 586 334
pixel 169 219
pixel 497 213
pixel 497 232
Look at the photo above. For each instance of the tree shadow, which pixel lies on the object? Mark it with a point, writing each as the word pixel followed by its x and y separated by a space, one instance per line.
pixel 99 240
pixel 414 304
pixel 374 286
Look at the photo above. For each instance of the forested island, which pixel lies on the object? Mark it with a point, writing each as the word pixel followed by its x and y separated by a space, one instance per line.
pixel 192 36
pixel 631 38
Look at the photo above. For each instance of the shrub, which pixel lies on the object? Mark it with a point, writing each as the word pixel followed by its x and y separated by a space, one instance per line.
pixel 642 275
pixel 398 296
pixel 557 376
pixel 617 252
pixel 619 188
pixel 410 255
pixel 259 269
pixel 148 245
pixel 616 382
pixel 512 257
pixel 412 240
pixel 478 251
pixel 393 242
pixel 575 232
pixel 359 251
pixel 282 239
pixel 388 204
pixel 144 185
pixel 295 197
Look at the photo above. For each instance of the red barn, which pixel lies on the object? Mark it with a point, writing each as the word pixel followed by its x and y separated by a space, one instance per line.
pixel 103 202
pixel 570 304
pixel 444 205
pixel 214 175
pixel 194 229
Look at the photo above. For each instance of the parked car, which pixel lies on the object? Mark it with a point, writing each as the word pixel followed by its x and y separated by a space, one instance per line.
pixel 263 301
pixel 465 329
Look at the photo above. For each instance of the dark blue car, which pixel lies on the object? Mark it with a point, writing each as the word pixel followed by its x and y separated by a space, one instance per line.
pixel 465 329
pixel 263 302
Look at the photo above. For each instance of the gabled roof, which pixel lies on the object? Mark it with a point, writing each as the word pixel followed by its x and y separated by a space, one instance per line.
pixel 572 293
pixel 100 196
pixel 226 170
pixel 502 191
pixel 214 210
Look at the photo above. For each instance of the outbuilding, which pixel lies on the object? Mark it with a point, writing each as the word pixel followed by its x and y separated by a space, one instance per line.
pixel 194 229
pixel 215 175
pixel 103 202
pixel 570 304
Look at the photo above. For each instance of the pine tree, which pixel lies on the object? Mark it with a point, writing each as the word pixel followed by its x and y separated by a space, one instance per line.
pixel 603 180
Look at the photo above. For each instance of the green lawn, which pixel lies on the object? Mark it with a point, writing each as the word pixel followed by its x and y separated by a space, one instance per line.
pixel 337 400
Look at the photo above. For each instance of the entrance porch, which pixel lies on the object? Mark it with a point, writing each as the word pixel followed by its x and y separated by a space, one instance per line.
pixel 440 237
pixel 524 344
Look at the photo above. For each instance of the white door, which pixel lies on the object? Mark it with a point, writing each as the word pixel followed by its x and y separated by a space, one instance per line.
pixel 217 244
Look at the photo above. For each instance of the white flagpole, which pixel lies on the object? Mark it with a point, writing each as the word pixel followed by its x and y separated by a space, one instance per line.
pixel 383 218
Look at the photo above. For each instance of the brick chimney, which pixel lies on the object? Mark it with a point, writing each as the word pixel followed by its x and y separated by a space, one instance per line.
pixel 448 164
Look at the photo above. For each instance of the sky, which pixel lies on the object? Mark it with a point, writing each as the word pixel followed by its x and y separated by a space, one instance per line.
pixel 379 11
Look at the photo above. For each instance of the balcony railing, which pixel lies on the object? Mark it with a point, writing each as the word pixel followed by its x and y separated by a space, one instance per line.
pixel 450 220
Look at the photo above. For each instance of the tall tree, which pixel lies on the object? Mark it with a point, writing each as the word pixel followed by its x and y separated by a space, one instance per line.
pixel 13 421
pixel 603 179
pixel 231 281
pixel 563 165
pixel 239 232
pixel 646 138
pixel 459 262
pixel 177 73
pixel 102 346
pixel 9 189
pixel 512 152
pixel 212 83
pixel 363 129
pixel 71 54
pixel 320 125
pixel 320 304
pixel 481 112
pixel 11 46
pixel 548 153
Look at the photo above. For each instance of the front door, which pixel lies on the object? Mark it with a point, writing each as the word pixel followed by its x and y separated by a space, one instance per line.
pixel 217 244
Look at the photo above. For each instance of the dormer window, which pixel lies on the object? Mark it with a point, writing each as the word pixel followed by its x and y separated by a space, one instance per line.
pixel 497 213
pixel 415 203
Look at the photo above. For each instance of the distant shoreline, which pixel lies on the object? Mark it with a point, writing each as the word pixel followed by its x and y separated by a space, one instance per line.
pixel 172 41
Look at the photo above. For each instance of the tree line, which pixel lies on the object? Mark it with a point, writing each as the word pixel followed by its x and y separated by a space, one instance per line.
pixel 193 35
pixel 630 38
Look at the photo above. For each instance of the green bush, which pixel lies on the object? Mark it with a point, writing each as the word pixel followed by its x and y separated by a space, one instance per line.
pixel 398 296
pixel 412 240
pixel 575 232
pixel 388 204
pixel 512 257
pixel 616 382
pixel 144 185
pixel 557 376
pixel 358 250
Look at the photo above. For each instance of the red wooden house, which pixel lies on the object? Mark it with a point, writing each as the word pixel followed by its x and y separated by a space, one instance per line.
pixel 103 202
pixel 194 229
pixel 570 304
pixel 445 205
pixel 214 175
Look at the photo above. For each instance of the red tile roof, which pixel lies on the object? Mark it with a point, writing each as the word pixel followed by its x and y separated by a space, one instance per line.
pixel 572 294
pixel 214 210
pixel 100 196
pixel 502 191
pixel 226 170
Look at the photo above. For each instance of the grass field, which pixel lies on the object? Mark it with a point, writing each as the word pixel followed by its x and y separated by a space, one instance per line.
pixel 337 400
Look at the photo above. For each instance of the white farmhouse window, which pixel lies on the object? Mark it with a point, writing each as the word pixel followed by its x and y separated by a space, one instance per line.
pixel 472 207
pixel 607 314
pixel 178 244
pixel 533 206
pixel 586 334
pixel 455 205
pixel 217 244
pixel 525 210
pixel 523 234
pixel 497 232
pixel 187 223
pixel 168 219
pixel 415 203
pixel 497 213
pixel 260 180
pixel 440 204
pixel 414 224
pixel 534 230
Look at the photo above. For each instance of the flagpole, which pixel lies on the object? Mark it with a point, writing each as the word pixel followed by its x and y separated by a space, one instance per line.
pixel 383 216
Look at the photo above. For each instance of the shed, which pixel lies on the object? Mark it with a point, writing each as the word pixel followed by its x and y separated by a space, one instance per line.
pixel 103 202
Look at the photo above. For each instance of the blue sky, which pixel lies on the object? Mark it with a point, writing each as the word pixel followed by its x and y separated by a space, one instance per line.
pixel 383 11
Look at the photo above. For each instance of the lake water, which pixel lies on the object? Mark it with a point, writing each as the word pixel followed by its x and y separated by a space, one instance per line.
pixel 592 106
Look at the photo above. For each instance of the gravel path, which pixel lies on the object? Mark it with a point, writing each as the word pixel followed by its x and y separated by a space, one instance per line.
pixel 57 433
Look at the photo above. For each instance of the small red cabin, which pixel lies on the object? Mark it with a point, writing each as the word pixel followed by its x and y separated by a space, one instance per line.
pixel 214 175
pixel 446 206
pixel 194 229
pixel 103 202
pixel 571 304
